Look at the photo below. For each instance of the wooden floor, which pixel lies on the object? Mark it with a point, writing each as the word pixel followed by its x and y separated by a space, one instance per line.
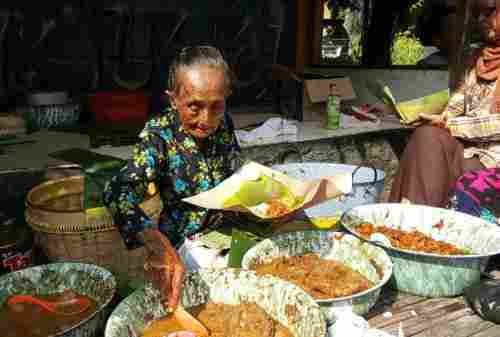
pixel 424 317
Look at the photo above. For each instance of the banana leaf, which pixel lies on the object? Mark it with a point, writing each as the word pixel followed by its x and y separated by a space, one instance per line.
pixel 241 242
pixel 432 104
pixel 410 110
pixel 264 189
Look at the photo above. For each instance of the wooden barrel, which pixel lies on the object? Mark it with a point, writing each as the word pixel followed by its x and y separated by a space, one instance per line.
pixel 65 231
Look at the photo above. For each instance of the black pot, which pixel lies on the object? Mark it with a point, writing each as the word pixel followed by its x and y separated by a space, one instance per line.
pixel 484 298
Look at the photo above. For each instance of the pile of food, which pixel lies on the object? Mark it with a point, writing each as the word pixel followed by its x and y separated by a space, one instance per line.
pixel 277 209
pixel 320 278
pixel 44 315
pixel 223 320
pixel 410 240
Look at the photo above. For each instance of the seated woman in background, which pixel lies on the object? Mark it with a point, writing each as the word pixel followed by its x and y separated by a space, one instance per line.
pixel 186 151
pixel 434 158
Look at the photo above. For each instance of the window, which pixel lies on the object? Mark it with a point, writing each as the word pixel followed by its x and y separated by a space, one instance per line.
pixel 341 34
pixel 412 32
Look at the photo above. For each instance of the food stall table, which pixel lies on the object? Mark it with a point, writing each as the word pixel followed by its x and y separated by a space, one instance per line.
pixel 428 317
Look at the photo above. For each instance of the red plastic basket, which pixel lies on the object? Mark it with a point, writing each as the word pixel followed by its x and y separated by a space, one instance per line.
pixel 119 107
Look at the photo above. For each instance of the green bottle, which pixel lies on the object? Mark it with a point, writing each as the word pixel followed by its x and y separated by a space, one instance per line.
pixel 333 109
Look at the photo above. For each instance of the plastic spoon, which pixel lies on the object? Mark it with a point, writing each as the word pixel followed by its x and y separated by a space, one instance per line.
pixel 69 307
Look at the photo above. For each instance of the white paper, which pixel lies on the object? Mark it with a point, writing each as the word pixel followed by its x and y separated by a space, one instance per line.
pixel 312 192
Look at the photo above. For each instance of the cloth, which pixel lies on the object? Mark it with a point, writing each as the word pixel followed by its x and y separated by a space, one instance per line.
pixel 476 125
pixel 196 255
pixel 271 128
pixel 349 324
pixel 478 193
pixel 431 163
pixel 168 156
pixel 477 103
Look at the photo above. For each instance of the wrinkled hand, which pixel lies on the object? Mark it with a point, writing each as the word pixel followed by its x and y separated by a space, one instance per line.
pixel 435 120
pixel 164 267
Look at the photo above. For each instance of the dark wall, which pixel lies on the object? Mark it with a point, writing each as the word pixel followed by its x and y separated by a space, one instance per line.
pixel 84 46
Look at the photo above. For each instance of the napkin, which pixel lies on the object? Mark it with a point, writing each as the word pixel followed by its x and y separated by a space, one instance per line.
pixel 349 324
pixel 271 128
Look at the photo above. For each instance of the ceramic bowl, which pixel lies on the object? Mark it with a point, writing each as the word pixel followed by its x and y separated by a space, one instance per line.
pixel 424 274
pixel 339 246
pixel 283 301
pixel 86 279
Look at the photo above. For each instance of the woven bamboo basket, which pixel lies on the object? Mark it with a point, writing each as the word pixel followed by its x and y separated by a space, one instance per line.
pixel 65 231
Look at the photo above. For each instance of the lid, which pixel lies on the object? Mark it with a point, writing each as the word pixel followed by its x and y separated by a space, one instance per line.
pixel 11 233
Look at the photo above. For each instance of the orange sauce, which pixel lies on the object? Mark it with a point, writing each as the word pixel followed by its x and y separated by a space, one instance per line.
pixel 26 319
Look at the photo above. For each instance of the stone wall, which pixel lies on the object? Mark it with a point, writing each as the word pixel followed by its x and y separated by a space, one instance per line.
pixel 378 150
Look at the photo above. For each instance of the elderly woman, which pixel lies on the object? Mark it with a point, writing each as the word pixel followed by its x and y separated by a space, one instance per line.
pixel 443 150
pixel 186 151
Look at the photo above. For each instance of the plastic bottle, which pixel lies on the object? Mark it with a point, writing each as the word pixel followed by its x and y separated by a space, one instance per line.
pixel 333 109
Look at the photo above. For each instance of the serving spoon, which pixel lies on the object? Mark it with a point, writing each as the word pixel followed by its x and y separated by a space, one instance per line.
pixel 189 322
pixel 187 325
pixel 67 307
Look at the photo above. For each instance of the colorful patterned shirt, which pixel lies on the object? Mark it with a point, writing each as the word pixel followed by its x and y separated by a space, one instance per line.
pixel 168 156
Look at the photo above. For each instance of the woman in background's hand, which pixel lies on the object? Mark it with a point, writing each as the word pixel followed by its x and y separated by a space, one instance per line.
pixel 435 120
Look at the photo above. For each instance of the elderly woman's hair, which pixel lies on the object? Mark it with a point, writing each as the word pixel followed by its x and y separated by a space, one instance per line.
pixel 194 56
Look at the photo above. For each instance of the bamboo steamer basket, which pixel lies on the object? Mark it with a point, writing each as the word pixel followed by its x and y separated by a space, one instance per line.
pixel 65 231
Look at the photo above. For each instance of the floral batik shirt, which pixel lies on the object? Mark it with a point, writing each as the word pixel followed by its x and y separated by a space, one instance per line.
pixel 168 156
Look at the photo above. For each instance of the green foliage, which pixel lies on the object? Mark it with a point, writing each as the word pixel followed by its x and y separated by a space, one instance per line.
pixel 417 7
pixel 407 49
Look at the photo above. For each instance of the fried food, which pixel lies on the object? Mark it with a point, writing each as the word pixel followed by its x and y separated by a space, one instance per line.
pixel 223 320
pixel 414 240
pixel 277 209
pixel 320 278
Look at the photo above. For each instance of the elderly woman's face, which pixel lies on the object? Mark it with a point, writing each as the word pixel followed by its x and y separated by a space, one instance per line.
pixel 487 19
pixel 200 99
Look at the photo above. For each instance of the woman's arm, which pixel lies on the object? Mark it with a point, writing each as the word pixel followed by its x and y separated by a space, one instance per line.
pixel 123 195
pixel 125 191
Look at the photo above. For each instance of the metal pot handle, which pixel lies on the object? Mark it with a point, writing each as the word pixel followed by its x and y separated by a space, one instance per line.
pixel 375 175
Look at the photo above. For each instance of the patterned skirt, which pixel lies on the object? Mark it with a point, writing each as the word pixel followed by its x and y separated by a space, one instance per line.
pixel 478 193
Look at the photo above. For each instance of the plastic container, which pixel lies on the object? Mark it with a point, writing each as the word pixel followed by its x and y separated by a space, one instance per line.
pixel 16 248
pixel 367 185
pixel 333 109
pixel 119 106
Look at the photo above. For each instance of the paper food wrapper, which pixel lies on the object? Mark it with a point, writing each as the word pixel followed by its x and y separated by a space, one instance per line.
pixel 259 189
